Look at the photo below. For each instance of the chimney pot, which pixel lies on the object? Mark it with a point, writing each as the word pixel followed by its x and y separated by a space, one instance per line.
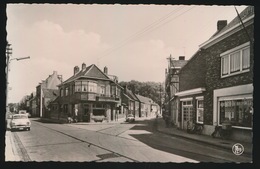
pixel 76 69
pixel 83 66
pixel 221 24
pixel 105 70
pixel 181 57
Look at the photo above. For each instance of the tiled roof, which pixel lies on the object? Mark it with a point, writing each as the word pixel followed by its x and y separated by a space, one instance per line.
pixel 246 13
pixel 178 63
pixel 131 95
pixel 50 93
pixel 91 71
pixel 144 99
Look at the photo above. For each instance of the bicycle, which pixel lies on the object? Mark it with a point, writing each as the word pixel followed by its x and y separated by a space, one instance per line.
pixel 222 133
pixel 194 128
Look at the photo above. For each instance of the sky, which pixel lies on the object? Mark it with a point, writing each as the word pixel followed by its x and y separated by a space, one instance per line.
pixel 133 41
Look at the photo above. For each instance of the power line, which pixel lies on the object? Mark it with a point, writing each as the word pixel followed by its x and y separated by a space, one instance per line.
pixel 243 25
pixel 146 28
pixel 145 31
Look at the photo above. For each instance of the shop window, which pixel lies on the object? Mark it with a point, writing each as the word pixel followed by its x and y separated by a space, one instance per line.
pixel 238 112
pixel 200 111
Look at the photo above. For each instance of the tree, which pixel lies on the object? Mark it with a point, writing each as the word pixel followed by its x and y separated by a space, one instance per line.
pixel 147 89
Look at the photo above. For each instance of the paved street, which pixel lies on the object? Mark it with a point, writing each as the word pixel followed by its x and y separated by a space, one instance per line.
pixel 121 142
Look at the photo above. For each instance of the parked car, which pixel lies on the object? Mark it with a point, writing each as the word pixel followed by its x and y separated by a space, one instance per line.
pixel 20 122
pixel 24 112
pixel 130 118
pixel 98 118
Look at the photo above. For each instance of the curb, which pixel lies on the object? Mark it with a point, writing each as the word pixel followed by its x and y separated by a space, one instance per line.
pixel 10 149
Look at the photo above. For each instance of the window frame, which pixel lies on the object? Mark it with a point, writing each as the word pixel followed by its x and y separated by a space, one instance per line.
pixel 228 54
pixel 233 98
pixel 198 108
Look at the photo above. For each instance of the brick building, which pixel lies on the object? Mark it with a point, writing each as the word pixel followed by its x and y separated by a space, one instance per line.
pixel 190 97
pixel 94 93
pixel 229 76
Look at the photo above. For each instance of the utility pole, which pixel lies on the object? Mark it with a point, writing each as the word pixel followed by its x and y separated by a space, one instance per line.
pixel 8 54
pixel 160 98
pixel 8 60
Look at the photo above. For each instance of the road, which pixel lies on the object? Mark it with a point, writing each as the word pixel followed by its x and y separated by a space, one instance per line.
pixel 135 142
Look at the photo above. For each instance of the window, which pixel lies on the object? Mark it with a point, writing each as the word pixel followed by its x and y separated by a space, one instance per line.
pixel 236 60
pixel 61 92
pixel 200 111
pixel 92 87
pixel 66 91
pixel 84 87
pixel 102 90
pixel 77 86
pixel 237 111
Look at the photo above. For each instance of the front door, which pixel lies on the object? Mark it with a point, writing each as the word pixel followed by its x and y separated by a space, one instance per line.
pixel 187 113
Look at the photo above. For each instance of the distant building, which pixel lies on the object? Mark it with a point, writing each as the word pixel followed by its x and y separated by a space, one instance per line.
pixel 130 103
pixel 46 91
pixel 145 106
pixel 92 92
pixel 172 87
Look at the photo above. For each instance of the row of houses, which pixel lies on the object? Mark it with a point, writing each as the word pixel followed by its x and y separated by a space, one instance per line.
pixel 94 93
pixel 215 85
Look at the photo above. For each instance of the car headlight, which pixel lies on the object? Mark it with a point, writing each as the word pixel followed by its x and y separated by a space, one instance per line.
pixel 28 123
pixel 13 123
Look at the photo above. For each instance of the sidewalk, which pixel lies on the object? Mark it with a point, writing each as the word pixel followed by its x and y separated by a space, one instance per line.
pixel 10 150
pixel 205 139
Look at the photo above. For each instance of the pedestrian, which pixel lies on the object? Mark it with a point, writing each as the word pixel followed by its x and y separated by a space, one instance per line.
pixel 76 115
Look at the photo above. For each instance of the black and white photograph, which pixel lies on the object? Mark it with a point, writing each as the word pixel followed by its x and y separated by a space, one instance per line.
pixel 129 83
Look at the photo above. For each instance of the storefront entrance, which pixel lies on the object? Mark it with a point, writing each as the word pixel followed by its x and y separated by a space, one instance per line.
pixel 187 113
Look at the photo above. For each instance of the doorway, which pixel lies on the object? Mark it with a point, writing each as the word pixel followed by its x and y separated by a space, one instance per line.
pixel 187 113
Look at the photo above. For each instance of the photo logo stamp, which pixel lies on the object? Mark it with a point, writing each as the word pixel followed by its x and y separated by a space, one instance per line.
pixel 238 149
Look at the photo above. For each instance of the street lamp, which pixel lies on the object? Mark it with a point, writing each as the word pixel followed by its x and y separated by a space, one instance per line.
pixel 8 61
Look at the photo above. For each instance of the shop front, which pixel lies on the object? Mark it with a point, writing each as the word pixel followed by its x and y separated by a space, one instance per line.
pixel 234 105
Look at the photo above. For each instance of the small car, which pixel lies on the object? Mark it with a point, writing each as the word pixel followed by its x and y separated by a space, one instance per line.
pixel 20 122
pixel 130 118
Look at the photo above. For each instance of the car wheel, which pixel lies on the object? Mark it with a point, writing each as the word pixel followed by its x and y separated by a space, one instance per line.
pixel 29 129
pixel 12 129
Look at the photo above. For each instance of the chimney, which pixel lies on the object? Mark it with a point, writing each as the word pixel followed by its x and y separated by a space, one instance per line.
pixel 105 70
pixel 83 66
pixel 125 89
pixel 181 57
pixel 221 24
pixel 76 69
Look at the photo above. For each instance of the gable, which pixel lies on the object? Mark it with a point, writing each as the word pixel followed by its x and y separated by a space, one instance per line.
pixel 95 72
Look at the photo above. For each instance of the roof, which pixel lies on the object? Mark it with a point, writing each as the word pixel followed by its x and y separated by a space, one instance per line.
pixel 144 99
pixel 245 14
pixel 91 71
pixel 131 95
pixel 178 63
pixel 50 93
